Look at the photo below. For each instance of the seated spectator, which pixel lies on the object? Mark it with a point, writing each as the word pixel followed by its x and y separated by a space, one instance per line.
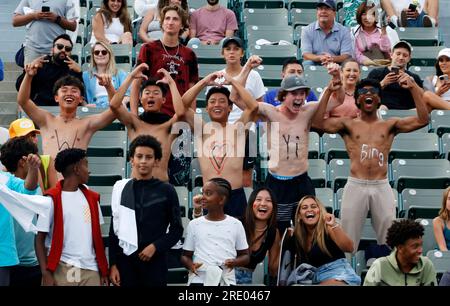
pixel 290 66
pixel 412 13
pixel 372 45
pixel 405 266
pixel 350 74
pixel 211 23
pixel 150 28
pixel 263 237
pixel 440 83
pixel 445 279
pixel 112 23
pixel 392 94
pixel 441 224
pixel 325 40
pixel 350 8
pixel 141 7
pixel 55 66
pixel 44 21
pixel 321 242
pixel 103 65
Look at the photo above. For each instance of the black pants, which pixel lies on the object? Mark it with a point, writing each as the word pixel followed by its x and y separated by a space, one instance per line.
pixel 25 276
pixel 135 272
pixel 288 193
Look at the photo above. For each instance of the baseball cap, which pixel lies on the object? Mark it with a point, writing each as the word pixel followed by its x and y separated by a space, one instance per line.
pixel 21 127
pixel 293 82
pixel 234 39
pixel 404 44
pixel 329 3
pixel 444 52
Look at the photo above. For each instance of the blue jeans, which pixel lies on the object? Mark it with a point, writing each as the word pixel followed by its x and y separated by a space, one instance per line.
pixel 416 23
pixel 243 276
pixel 339 270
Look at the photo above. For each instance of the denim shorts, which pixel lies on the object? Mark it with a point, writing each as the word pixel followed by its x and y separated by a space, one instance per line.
pixel 243 276
pixel 339 270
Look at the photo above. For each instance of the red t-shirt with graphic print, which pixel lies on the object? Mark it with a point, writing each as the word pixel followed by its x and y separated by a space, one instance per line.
pixel 180 62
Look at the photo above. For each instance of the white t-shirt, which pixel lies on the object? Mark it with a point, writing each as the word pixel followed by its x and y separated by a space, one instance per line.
pixel 113 32
pixel 78 246
pixel 254 85
pixel 213 242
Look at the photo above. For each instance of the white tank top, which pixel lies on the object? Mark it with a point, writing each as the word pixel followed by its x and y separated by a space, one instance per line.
pixel 445 95
pixel 113 32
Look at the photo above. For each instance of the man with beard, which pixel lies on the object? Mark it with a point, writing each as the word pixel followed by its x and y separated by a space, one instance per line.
pixel 368 140
pixel 152 121
pixel 55 66
pixel 65 130
pixel 211 23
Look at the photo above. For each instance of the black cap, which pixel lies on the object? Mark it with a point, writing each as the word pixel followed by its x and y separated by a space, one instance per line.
pixel 234 39
pixel 330 3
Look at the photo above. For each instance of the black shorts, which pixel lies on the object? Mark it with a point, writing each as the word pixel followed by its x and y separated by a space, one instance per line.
pixel 237 203
pixel 250 156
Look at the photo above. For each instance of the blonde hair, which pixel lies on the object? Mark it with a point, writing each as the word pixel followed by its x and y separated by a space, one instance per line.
pixel 443 212
pixel 319 232
pixel 111 68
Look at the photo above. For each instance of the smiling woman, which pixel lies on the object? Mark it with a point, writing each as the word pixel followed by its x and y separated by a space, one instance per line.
pixel 321 242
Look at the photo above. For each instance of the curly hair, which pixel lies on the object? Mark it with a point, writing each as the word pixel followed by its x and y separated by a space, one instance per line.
pixel 68 157
pixel 403 230
pixel 14 149
pixel 184 16
pixel 146 141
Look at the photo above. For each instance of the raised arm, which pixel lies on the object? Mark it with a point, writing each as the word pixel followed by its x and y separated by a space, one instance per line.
pixel 105 80
pixel 253 62
pixel 32 178
pixel 116 105
pixel 190 95
pixel 38 115
pixel 180 109
pixel 408 124
pixel 334 86
pixel 250 104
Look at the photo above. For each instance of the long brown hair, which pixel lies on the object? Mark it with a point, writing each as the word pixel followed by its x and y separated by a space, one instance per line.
pixel 249 217
pixel 122 14
pixel 443 212
pixel 319 233
pixel 184 16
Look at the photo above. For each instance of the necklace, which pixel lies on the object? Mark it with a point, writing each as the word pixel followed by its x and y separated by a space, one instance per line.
pixel 165 50
pixel 349 94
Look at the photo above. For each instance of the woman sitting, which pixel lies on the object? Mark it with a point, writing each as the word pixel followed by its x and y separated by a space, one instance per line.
pixel 103 78
pixel 372 44
pixel 150 28
pixel 112 23
pixel 321 242
pixel 441 224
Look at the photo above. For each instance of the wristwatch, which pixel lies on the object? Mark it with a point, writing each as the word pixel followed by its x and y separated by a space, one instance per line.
pixel 58 20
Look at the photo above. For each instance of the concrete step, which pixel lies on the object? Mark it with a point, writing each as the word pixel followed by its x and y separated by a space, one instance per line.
pixel 5 120
pixel 8 108
pixel 7 86
pixel 11 76
pixel 8 96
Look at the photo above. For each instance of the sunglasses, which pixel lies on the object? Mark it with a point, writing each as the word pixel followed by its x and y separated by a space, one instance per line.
pixel 365 91
pixel 103 52
pixel 61 46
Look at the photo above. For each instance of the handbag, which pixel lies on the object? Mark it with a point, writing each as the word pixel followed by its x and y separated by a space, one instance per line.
pixel 20 57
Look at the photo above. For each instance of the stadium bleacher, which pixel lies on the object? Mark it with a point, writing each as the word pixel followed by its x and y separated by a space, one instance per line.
pixel 419 163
